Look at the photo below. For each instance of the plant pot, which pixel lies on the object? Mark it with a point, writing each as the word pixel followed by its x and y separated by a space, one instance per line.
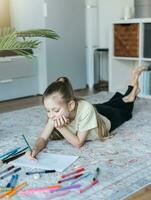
pixel 4 53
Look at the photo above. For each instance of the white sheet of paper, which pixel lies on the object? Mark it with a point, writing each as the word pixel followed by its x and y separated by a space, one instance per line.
pixel 46 161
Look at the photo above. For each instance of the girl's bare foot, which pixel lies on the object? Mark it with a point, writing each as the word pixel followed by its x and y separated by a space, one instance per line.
pixel 136 73
pixel 131 97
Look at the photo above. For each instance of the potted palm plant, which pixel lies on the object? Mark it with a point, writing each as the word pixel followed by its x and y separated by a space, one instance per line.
pixel 13 42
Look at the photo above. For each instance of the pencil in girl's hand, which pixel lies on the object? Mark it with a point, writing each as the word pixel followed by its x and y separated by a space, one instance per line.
pixel 27 143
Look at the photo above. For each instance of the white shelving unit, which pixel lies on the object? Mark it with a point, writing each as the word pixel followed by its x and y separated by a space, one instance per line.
pixel 120 67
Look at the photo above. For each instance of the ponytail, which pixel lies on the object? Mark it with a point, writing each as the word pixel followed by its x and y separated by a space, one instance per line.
pixel 63 86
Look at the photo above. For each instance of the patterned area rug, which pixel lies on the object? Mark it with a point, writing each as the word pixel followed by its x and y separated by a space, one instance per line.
pixel 124 160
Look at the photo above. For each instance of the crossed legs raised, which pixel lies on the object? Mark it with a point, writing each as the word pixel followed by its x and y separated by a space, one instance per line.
pixel 135 83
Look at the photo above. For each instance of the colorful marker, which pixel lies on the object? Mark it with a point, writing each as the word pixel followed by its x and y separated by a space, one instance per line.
pixel 16 189
pixel 6 193
pixel 71 173
pixel 6 170
pixel 71 178
pixel 41 172
pixel 14 182
pixel 96 174
pixel 85 175
pixel 68 188
pixel 43 189
pixel 89 186
pixel 10 173
pixel 10 182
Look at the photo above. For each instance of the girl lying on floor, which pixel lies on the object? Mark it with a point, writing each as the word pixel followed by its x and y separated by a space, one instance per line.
pixel 77 120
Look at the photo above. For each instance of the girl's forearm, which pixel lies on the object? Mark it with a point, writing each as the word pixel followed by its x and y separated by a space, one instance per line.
pixel 39 145
pixel 69 136
pixel 42 140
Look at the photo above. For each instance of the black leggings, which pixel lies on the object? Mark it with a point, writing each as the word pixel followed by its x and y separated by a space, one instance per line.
pixel 116 110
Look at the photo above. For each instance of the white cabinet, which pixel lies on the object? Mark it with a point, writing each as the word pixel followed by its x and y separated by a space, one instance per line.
pixel 120 67
pixel 18 77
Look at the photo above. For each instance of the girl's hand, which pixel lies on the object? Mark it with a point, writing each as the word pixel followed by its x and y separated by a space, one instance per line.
pixel 61 121
pixel 31 155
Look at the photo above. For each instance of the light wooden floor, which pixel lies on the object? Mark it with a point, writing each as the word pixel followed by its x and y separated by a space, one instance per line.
pixel 6 106
pixel 143 194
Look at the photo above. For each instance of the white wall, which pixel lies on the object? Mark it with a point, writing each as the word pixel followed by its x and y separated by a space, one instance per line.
pixel 66 56
pixel 110 11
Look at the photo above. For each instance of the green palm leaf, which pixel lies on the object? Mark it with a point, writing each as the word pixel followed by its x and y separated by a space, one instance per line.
pixel 9 40
pixel 38 33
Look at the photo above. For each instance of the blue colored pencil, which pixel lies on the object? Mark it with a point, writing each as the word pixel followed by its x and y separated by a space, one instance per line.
pixel 14 154
pixel 27 143
pixel 9 152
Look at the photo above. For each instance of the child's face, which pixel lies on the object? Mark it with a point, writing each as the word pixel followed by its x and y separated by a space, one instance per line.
pixel 56 106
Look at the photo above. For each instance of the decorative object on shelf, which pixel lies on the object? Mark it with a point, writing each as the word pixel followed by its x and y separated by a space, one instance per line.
pixel 127 13
pixel 13 42
pixel 126 38
pixel 142 8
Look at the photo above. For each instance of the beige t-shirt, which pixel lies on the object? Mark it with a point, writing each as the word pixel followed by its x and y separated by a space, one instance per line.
pixel 85 120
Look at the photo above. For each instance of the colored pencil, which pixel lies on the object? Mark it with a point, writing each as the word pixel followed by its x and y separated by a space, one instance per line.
pixel 14 157
pixel 27 143
pixel 14 153
pixel 9 152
